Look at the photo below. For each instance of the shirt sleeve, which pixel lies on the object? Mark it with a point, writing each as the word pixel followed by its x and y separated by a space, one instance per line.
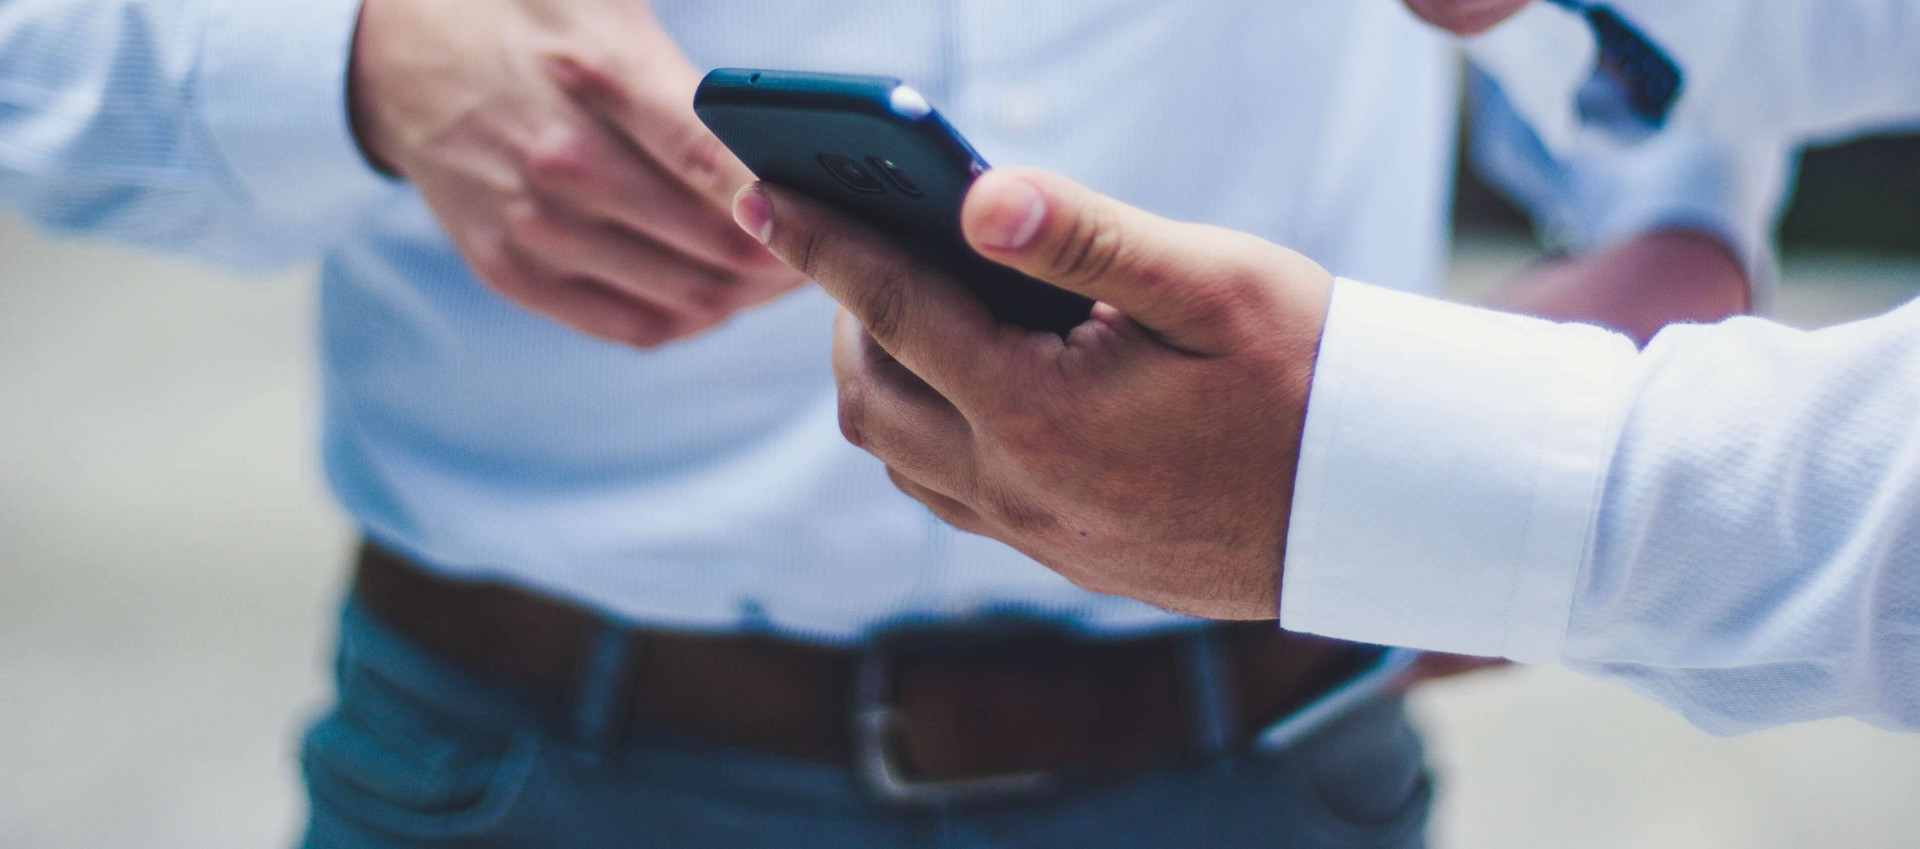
pixel 210 127
pixel 1728 522
pixel 1449 469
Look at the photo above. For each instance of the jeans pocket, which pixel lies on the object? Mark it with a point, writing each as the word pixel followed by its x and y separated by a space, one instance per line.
pixel 393 762
pixel 1364 780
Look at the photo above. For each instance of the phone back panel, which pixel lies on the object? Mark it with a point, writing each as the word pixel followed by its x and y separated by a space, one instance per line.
pixel 801 129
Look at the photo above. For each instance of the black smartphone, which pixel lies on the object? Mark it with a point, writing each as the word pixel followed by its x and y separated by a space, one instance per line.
pixel 875 149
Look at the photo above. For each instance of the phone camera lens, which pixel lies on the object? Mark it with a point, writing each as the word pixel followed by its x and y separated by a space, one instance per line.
pixel 896 176
pixel 852 174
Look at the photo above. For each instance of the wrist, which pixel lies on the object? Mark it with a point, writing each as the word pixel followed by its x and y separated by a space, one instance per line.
pixel 1311 305
pixel 362 118
pixel 272 91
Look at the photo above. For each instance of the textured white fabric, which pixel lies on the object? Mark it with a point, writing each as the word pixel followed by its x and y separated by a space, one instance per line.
pixel 1799 68
pixel 215 128
pixel 1448 472
pixel 1757 553
pixel 276 108
pixel 1753 557
pixel 705 485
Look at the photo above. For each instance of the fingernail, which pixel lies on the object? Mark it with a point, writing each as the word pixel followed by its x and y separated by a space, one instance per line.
pixel 1015 210
pixel 753 213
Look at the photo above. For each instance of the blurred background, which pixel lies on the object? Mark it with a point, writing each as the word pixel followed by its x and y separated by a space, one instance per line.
pixel 170 562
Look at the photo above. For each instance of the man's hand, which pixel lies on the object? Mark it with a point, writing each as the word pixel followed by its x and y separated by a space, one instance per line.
pixel 1150 453
pixel 556 141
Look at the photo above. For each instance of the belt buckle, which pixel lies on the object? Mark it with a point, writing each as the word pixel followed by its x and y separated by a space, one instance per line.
pixel 876 720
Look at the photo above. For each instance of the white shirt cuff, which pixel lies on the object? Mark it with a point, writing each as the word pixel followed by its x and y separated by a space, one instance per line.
pixel 1450 475
pixel 274 95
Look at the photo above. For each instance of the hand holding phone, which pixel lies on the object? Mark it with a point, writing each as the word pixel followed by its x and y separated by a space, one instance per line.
pixel 875 149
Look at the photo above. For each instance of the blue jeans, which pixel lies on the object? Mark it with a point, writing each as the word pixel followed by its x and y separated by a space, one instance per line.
pixel 417 753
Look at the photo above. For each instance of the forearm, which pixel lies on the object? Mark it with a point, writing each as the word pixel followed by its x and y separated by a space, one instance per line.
pixel 213 128
pixel 1636 288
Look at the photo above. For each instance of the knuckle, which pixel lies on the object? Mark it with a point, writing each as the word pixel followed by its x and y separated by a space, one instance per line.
pixel 760 284
pixel 497 264
pixel 1020 430
pixel 1033 425
pixel 704 316
pixel 713 302
pixel 603 73
pixel 1221 294
pixel 651 330
pixel 488 259
pixel 528 224
pixel 886 308
pixel 898 480
pixel 856 410
pixel 737 255
pixel 583 74
pixel 956 515
pixel 703 158
pixel 1019 518
pixel 696 154
pixel 506 280
pixel 881 302
pixel 812 244
pixel 1090 249
pixel 679 324
pixel 561 157
pixel 745 256
pixel 1239 292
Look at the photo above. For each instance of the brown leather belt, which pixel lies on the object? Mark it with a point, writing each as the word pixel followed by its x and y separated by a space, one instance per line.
pixel 985 703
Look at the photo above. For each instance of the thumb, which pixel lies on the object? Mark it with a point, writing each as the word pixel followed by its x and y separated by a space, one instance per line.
pixel 1198 287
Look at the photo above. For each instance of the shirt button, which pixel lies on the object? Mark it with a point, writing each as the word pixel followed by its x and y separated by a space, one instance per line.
pixel 1022 111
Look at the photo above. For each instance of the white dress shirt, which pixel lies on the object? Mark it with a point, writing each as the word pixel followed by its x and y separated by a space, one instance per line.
pixel 706 485
pixel 1728 521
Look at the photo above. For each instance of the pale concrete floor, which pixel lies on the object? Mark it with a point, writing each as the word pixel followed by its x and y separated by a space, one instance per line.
pixel 169 563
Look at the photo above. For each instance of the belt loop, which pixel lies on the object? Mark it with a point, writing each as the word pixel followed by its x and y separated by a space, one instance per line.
pixel 602 698
pixel 1210 682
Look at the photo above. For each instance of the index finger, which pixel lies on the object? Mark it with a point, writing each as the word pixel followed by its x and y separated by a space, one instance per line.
pixel 932 325
pixel 656 116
